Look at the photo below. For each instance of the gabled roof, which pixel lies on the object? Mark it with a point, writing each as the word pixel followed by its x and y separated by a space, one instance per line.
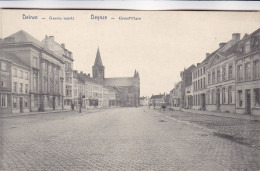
pixel 98 60
pixel 22 36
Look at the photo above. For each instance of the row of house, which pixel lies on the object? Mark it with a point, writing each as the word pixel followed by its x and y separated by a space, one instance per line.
pixel 38 76
pixel 227 80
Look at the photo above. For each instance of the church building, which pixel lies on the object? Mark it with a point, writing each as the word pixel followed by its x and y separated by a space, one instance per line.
pixel 128 86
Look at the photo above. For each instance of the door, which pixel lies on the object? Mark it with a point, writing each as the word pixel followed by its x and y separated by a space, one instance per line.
pixel 203 104
pixel 21 104
pixel 248 102
pixel 53 103
pixel 218 99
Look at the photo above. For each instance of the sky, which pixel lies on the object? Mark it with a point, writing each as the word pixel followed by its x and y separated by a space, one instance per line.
pixel 159 46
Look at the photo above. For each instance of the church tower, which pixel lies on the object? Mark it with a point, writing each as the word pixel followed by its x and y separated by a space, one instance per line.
pixel 98 70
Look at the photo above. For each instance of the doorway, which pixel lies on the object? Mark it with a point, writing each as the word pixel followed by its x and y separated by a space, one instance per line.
pixel 21 104
pixel 53 103
pixel 203 101
pixel 248 102
pixel 218 99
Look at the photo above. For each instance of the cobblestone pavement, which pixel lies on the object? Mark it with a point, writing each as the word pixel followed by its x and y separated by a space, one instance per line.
pixel 243 131
pixel 117 139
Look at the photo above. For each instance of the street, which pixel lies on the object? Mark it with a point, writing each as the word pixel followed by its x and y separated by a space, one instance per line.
pixel 120 139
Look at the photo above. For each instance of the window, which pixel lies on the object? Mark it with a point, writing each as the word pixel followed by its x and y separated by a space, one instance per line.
pixel 35 62
pixel 240 101
pixel 256 68
pixel 14 72
pixel 257 97
pixel 247 71
pixel 218 75
pixel 230 95
pixel 20 73
pixel 43 66
pixel 68 90
pixel 210 98
pixel 198 84
pixel 26 102
pixel 45 83
pixel 15 87
pixel 213 77
pixel 26 75
pixel 247 46
pixel 213 97
pixel 3 100
pixel 209 78
pixel 34 81
pixel 223 73
pixel 14 102
pixel 3 80
pixel 3 66
pixel 223 95
pixel 230 71
pixel 21 88
pixel 239 72
pixel 203 70
pixel 26 88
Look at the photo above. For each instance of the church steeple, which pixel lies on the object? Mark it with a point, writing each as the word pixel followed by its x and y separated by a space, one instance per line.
pixel 98 60
pixel 98 70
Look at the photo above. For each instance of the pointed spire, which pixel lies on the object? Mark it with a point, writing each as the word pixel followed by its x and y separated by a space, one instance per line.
pixel 98 60
pixel 135 74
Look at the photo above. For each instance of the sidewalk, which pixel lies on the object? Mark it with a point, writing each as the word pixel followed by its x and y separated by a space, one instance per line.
pixel 48 112
pixel 6 115
pixel 220 114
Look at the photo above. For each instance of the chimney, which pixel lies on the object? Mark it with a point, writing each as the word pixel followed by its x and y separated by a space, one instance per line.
pixel 63 45
pixel 51 38
pixel 207 55
pixel 221 45
pixel 89 74
pixel 236 36
pixel 46 36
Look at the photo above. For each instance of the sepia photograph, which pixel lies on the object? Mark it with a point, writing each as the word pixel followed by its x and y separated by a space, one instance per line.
pixel 129 90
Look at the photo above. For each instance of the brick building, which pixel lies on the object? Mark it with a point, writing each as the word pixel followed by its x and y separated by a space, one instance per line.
pixel 247 65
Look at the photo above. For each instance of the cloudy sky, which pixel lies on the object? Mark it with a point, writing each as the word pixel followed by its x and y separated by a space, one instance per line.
pixel 159 46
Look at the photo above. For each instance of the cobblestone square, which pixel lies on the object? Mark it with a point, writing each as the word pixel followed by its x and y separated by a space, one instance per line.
pixel 119 139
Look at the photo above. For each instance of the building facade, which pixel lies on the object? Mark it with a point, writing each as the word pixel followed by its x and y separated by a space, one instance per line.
pixel 247 65
pixel 221 77
pixel 5 84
